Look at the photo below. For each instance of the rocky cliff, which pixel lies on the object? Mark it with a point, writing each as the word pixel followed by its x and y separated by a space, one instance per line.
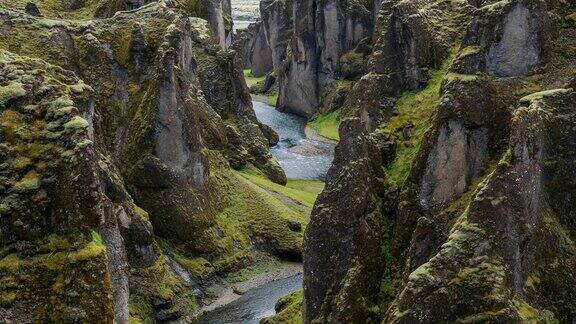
pixel 307 46
pixel 255 49
pixel 323 31
pixel 449 197
pixel 118 140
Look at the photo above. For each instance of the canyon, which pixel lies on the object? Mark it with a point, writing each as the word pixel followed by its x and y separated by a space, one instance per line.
pixel 416 157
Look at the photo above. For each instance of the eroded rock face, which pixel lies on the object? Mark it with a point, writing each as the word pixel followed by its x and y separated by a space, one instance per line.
pixel 509 38
pixel 457 157
pixel 51 198
pixel 101 171
pixel 517 53
pixel 323 31
pixel 256 50
pixel 277 23
pixel 461 237
pixel 496 247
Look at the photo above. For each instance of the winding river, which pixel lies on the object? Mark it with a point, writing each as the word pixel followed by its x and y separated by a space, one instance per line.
pixel 301 158
pixel 254 305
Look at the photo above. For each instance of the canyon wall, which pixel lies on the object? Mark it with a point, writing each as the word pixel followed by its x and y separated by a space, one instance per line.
pixel 322 33
pixel 305 41
pixel 119 138
pixel 449 197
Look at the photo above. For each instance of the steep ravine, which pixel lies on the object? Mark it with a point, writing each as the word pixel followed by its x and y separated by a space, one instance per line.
pixel 301 158
pixel 139 182
pixel 128 142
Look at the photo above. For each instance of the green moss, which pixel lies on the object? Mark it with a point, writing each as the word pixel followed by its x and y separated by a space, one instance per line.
pixel 97 239
pixel 28 183
pixel 76 123
pixel 10 263
pixel 254 214
pixel 11 91
pixel 251 80
pixel 351 65
pixel 272 99
pixel 198 267
pixel 415 110
pixel 55 8
pixel 386 286
pixel 255 211
pixel 289 309
pixel 250 272
pixel 139 309
pixel 302 191
pixel 327 125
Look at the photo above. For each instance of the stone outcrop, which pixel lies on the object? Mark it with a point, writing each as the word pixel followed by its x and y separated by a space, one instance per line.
pixel 322 33
pixel 118 136
pixel 277 23
pixel 256 50
pixel 462 214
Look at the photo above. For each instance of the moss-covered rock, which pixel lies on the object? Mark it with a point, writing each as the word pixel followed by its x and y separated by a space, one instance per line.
pixel 462 196
pixel 133 151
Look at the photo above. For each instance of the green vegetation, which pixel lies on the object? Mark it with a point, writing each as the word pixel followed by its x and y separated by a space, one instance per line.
pixel 139 309
pixel 415 114
pixel 97 239
pixel 302 191
pixel 272 99
pixel 351 64
pixel 251 271
pixel 11 91
pixel 327 125
pixel 55 8
pixel 386 286
pixel 252 81
pixel 255 85
pixel 289 309
pixel 251 211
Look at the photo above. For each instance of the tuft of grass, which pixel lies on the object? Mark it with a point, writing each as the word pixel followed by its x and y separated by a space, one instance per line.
pixel 327 125
pixel 304 192
pixel 97 239
pixel 272 99
pixel 289 309
pixel 418 109
pixel 252 80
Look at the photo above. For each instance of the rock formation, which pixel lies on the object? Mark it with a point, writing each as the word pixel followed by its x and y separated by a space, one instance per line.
pixel 256 50
pixel 323 32
pixel 452 202
pixel 118 136
pixel 311 45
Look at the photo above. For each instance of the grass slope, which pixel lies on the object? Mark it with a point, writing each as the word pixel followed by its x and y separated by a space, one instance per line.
pixel 304 192
pixel 327 125
pixel 415 109
pixel 251 80
pixel 253 212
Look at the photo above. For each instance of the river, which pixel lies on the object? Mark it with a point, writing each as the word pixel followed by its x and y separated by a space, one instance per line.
pixel 301 158
pixel 255 304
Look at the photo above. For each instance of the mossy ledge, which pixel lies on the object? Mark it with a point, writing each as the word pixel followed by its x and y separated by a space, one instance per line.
pixel 84 128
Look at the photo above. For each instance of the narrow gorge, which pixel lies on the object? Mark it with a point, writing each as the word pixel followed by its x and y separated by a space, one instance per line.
pixel 287 161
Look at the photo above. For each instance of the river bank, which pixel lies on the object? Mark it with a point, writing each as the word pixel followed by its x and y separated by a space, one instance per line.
pixel 305 156
pixel 231 292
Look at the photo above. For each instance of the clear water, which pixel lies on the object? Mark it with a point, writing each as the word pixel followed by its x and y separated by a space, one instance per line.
pixel 300 157
pixel 255 304
pixel 244 12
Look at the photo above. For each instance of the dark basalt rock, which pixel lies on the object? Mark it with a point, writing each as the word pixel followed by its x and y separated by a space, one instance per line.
pixel 32 9
pixel 479 231
pixel 94 174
